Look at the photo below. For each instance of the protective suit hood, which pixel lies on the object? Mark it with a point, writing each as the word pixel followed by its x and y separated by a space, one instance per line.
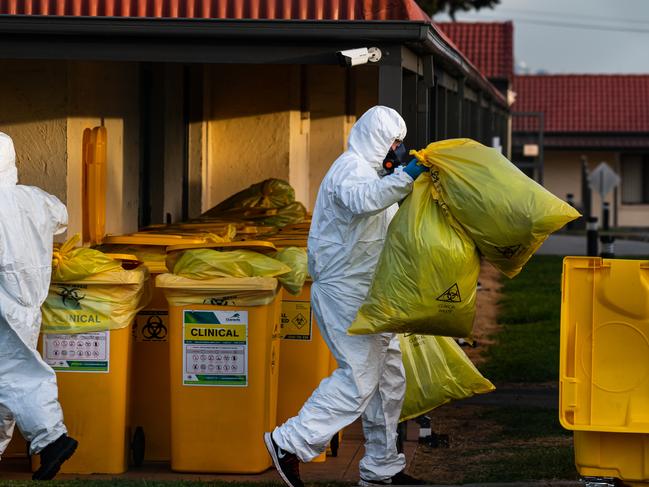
pixel 374 133
pixel 8 172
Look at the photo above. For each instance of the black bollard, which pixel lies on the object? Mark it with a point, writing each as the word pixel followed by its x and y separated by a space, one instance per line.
pixel 591 236
pixel 607 241
pixel 570 199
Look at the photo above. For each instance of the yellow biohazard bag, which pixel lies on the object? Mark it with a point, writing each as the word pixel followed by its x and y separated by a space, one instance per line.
pixel 437 372
pixel 105 301
pixel 208 264
pixel 427 275
pixel 72 264
pixel 270 193
pixel 507 214
pixel 220 291
pixel 296 259
pixel 287 215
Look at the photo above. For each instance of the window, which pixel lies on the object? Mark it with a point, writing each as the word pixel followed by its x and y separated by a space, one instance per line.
pixel 635 179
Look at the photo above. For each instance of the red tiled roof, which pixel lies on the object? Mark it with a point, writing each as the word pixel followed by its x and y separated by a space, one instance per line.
pixel 489 45
pixel 223 9
pixel 584 103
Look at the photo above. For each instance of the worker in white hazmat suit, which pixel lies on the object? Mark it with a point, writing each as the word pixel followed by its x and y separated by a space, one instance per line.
pixel 29 218
pixel 350 220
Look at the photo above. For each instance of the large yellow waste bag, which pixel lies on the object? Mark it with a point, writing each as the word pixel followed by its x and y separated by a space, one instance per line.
pixel 287 215
pixel 271 193
pixel 506 213
pixel 72 264
pixel 437 372
pixel 208 264
pixel 427 275
pixel 296 259
pixel 106 301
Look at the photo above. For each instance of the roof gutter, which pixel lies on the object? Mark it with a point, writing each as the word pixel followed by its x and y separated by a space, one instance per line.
pixel 422 34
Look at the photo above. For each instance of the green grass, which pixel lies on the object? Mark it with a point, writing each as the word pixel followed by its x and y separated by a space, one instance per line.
pixel 528 346
pixel 531 463
pixel 526 423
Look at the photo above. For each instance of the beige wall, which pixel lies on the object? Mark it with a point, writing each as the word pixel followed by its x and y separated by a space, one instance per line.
pixel 33 97
pixel 252 129
pixel 563 175
pixel 109 91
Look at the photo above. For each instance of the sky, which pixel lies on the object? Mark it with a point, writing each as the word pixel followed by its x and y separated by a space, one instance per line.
pixel 574 36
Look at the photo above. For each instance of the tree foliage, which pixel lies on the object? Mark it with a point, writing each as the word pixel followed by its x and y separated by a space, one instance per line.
pixel 451 7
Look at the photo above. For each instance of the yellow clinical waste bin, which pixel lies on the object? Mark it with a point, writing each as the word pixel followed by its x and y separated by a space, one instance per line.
pixel 150 416
pixel 604 365
pixel 305 355
pixel 92 361
pixel 224 368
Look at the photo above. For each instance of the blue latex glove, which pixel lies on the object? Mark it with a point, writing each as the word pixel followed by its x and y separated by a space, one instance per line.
pixel 414 169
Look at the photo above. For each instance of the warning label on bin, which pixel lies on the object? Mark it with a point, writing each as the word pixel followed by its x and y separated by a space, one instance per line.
pixel 215 348
pixel 151 326
pixel 84 352
pixel 296 320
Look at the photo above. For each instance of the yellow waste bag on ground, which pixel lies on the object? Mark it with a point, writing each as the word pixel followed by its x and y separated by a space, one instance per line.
pixel 271 193
pixel 427 275
pixel 208 264
pixel 296 259
pixel 72 264
pixel 506 213
pixel 106 301
pixel 437 372
pixel 220 291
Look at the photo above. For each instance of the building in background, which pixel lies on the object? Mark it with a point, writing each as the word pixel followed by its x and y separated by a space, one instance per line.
pixel 604 118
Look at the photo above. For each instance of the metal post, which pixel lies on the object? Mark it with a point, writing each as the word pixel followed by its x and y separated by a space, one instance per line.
pixel 570 199
pixel 591 236
pixel 586 199
pixel 608 241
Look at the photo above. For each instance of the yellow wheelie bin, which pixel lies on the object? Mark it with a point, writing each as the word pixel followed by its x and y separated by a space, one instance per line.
pixel 150 416
pixel 87 341
pixel 305 355
pixel 604 369
pixel 224 368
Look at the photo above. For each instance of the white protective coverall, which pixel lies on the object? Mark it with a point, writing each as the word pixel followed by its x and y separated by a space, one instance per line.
pixel 29 217
pixel 350 220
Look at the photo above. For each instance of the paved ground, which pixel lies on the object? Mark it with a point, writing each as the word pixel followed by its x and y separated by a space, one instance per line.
pixel 576 245
pixel 343 468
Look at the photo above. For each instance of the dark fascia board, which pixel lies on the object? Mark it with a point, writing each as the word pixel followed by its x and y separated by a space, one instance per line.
pixel 418 35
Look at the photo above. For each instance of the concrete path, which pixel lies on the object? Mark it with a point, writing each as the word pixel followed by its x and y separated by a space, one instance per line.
pixel 576 245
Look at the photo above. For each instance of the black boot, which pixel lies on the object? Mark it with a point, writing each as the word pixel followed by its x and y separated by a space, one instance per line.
pixel 53 456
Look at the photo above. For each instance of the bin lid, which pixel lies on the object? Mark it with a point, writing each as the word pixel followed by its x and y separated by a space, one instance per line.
pixel 172 281
pixel 260 246
pixel 163 240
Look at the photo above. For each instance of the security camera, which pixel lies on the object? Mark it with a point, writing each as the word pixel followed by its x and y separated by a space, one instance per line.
pixel 354 57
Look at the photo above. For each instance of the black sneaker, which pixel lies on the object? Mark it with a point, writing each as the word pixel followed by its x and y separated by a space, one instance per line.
pixel 399 479
pixel 53 456
pixel 287 464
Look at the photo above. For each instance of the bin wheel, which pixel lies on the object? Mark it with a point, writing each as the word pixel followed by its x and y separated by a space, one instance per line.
pixel 137 446
pixel 334 444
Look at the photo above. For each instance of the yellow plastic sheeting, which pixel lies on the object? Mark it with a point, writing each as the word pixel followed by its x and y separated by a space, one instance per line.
pixel 222 291
pixel 507 214
pixel 271 193
pixel 70 263
pixel 106 301
pixel 427 275
pixel 296 259
pixel 208 264
pixel 437 372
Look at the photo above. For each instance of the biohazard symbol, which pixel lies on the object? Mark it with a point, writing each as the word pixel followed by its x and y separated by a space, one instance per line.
pixel 435 176
pixel 299 321
pixel 70 297
pixel 154 329
pixel 509 251
pixel 217 302
pixel 451 295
